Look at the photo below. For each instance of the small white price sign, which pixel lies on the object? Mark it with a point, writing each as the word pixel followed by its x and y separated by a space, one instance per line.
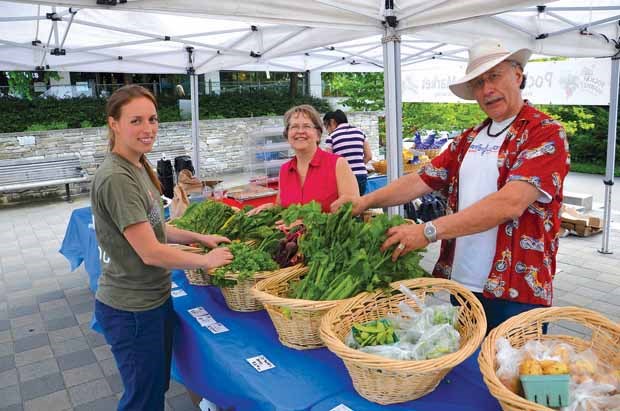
pixel 178 293
pixel 197 312
pixel 260 363
pixel 206 321
pixel 341 407
pixel 217 328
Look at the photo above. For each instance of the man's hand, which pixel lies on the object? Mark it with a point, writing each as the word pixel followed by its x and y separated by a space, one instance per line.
pixel 359 204
pixel 217 258
pixel 408 237
pixel 212 241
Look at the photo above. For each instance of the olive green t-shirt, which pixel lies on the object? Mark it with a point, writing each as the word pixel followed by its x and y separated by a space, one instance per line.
pixel 122 195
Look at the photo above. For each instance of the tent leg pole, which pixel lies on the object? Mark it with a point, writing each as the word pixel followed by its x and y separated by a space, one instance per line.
pixel 393 110
pixel 611 153
pixel 193 78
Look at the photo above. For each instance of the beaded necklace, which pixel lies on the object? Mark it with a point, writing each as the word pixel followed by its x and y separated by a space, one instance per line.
pixel 499 133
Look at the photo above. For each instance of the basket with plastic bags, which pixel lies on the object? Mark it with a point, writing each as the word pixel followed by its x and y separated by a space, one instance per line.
pixel 395 345
pixel 528 370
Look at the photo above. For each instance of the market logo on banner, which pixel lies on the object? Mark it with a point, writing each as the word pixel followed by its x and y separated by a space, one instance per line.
pixel 586 81
pixel 570 84
pixel 592 83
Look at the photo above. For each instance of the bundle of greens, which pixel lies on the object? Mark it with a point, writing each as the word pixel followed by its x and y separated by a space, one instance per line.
pixel 256 227
pixel 206 217
pixel 344 256
pixel 246 262
pixel 302 212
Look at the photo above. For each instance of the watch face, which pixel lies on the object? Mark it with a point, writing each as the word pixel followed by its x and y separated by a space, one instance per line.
pixel 430 232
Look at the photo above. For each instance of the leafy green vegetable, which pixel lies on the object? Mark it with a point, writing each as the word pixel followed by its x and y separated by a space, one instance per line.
pixel 206 217
pixel 246 262
pixel 256 227
pixel 344 256
pixel 376 332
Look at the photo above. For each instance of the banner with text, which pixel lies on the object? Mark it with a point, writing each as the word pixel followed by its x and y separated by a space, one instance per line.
pixel 568 82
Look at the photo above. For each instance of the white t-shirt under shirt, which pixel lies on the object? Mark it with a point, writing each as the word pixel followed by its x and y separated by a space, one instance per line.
pixel 478 175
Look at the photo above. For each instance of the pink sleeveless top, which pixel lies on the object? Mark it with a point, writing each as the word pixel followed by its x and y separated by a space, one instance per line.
pixel 320 184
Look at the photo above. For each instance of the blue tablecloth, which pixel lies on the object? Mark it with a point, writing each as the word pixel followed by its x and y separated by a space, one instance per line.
pixel 375 182
pixel 215 366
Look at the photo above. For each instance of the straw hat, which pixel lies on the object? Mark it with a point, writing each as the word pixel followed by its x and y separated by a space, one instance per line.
pixel 483 56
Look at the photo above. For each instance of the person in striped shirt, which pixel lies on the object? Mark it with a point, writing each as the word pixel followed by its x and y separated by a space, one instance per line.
pixel 349 142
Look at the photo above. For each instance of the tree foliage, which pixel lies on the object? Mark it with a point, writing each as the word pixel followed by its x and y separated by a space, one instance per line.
pixel 586 126
pixel 363 91
pixel 40 114
pixel 20 81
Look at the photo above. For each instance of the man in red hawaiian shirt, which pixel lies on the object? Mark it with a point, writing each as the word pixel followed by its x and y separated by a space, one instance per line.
pixel 503 182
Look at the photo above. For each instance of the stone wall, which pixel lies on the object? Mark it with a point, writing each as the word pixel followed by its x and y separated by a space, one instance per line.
pixel 224 146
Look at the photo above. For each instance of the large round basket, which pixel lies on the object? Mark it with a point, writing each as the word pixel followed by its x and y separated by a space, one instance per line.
pixel 296 321
pixel 604 341
pixel 387 381
pixel 239 297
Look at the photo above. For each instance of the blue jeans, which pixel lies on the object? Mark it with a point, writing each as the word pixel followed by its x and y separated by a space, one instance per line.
pixel 498 311
pixel 141 342
pixel 361 183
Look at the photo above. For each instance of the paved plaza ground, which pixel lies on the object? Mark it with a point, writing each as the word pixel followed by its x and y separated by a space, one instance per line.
pixel 50 360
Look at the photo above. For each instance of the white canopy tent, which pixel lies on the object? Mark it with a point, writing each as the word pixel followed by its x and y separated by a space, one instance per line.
pixel 183 36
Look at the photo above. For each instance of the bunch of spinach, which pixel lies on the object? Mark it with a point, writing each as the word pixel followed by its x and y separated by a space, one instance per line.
pixel 344 257
pixel 206 217
pixel 256 227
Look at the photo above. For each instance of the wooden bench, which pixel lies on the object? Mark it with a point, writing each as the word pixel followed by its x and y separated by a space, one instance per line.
pixel 32 173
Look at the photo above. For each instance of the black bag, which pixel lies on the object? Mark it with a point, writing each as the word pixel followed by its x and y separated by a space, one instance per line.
pixel 427 208
pixel 183 163
pixel 166 177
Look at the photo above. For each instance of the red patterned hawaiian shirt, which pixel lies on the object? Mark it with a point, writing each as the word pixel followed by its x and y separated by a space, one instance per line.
pixel 534 150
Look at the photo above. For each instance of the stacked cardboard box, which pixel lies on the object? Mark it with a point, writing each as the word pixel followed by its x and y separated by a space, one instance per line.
pixel 580 224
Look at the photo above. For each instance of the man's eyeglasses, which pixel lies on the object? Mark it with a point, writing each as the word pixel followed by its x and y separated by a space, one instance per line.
pixel 492 77
pixel 301 127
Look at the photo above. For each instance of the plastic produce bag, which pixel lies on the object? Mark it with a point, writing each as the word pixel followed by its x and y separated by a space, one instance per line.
pixel 439 340
pixel 592 396
pixel 442 314
pixel 424 332
pixel 508 359
pixel 399 351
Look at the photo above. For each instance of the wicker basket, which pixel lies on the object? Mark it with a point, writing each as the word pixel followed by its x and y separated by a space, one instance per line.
pixel 380 166
pixel 296 321
pixel 431 153
pixel 386 381
pixel 412 168
pixel 239 297
pixel 605 342
pixel 198 277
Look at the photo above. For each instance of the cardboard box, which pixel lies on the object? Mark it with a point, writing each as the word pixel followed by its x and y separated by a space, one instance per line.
pixel 580 224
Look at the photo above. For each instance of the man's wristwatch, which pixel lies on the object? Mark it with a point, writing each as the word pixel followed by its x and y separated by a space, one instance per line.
pixel 430 232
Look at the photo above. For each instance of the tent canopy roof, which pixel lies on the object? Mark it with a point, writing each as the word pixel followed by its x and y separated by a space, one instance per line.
pixel 153 36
